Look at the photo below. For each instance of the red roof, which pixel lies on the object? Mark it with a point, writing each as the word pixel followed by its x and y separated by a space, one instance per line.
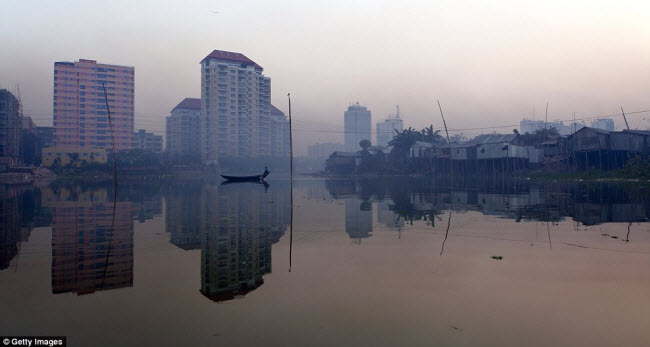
pixel 189 104
pixel 232 56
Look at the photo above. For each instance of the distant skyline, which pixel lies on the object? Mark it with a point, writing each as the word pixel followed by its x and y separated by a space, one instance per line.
pixel 488 63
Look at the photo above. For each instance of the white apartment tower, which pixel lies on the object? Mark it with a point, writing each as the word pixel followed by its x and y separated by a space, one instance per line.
pixel 235 107
pixel 357 121
pixel 386 129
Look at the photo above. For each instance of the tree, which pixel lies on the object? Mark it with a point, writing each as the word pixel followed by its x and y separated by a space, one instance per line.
pixel 365 143
pixel 539 136
pixel 428 135
pixel 402 142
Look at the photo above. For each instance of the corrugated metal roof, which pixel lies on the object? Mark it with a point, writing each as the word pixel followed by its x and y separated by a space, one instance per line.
pixel 640 132
pixel 600 131
pixel 345 154
pixel 489 138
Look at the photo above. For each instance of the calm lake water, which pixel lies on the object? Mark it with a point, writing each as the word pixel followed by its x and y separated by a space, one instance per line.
pixel 381 262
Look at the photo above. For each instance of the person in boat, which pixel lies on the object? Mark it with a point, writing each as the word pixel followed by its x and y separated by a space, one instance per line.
pixel 266 172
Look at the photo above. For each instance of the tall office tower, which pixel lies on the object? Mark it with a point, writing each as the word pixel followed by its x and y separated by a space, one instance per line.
pixel 80 112
pixel 386 129
pixel 279 127
pixel 184 128
pixel 357 126
pixel 235 106
pixel 10 129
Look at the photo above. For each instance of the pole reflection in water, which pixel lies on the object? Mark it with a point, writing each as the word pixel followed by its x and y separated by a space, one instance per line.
pixel 239 223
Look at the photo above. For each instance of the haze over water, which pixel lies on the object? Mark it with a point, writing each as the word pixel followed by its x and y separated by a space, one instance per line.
pixel 399 261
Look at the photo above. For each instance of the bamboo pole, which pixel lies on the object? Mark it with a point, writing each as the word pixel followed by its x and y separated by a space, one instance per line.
pixel 290 182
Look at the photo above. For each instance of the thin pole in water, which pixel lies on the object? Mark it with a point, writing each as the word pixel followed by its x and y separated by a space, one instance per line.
pixel 451 201
pixel 110 242
pixel 290 181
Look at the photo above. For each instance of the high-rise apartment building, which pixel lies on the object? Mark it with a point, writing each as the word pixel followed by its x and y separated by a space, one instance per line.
pixel 184 128
pixel 235 107
pixel 147 141
pixel 357 124
pixel 603 123
pixel 80 112
pixel 279 128
pixel 10 129
pixel 386 128
pixel 530 126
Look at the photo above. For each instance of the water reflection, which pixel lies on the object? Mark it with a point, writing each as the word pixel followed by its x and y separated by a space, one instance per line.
pixel 417 199
pixel 89 253
pixel 239 223
pixel 234 225
pixel 12 232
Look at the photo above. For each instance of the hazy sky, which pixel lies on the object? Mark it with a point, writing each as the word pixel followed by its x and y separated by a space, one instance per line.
pixel 488 62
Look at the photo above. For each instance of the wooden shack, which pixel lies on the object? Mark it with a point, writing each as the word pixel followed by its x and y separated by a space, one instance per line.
pixel 342 162
pixel 555 147
pixel 589 139
pixel 421 150
pixel 634 141
pixel 498 146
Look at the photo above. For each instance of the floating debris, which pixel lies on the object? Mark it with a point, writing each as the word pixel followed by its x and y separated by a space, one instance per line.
pixel 614 237
pixel 496 257
pixel 605 234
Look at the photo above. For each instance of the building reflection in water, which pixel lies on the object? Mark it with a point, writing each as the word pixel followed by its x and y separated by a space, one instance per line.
pixel 182 215
pixel 234 225
pixel 358 219
pixel 411 199
pixel 88 254
pixel 12 230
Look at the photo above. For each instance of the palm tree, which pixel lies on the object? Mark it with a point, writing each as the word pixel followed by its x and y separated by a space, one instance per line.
pixel 428 135
pixel 402 142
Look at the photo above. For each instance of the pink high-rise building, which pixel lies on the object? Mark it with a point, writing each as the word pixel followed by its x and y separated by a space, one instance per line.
pixel 80 113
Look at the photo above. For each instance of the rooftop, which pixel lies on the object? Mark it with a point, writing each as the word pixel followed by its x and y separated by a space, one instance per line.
pixel 601 131
pixel 232 57
pixel 275 110
pixel 490 138
pixel 189 104
pixel 639 132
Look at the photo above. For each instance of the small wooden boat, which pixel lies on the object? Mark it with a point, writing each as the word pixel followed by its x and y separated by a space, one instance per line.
pixel 255 178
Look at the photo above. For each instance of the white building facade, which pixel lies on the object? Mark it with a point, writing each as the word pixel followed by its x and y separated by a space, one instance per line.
pixel 386 128
pixel 357 126
pixel 235 108
pixel 279 128
pixel 183 128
